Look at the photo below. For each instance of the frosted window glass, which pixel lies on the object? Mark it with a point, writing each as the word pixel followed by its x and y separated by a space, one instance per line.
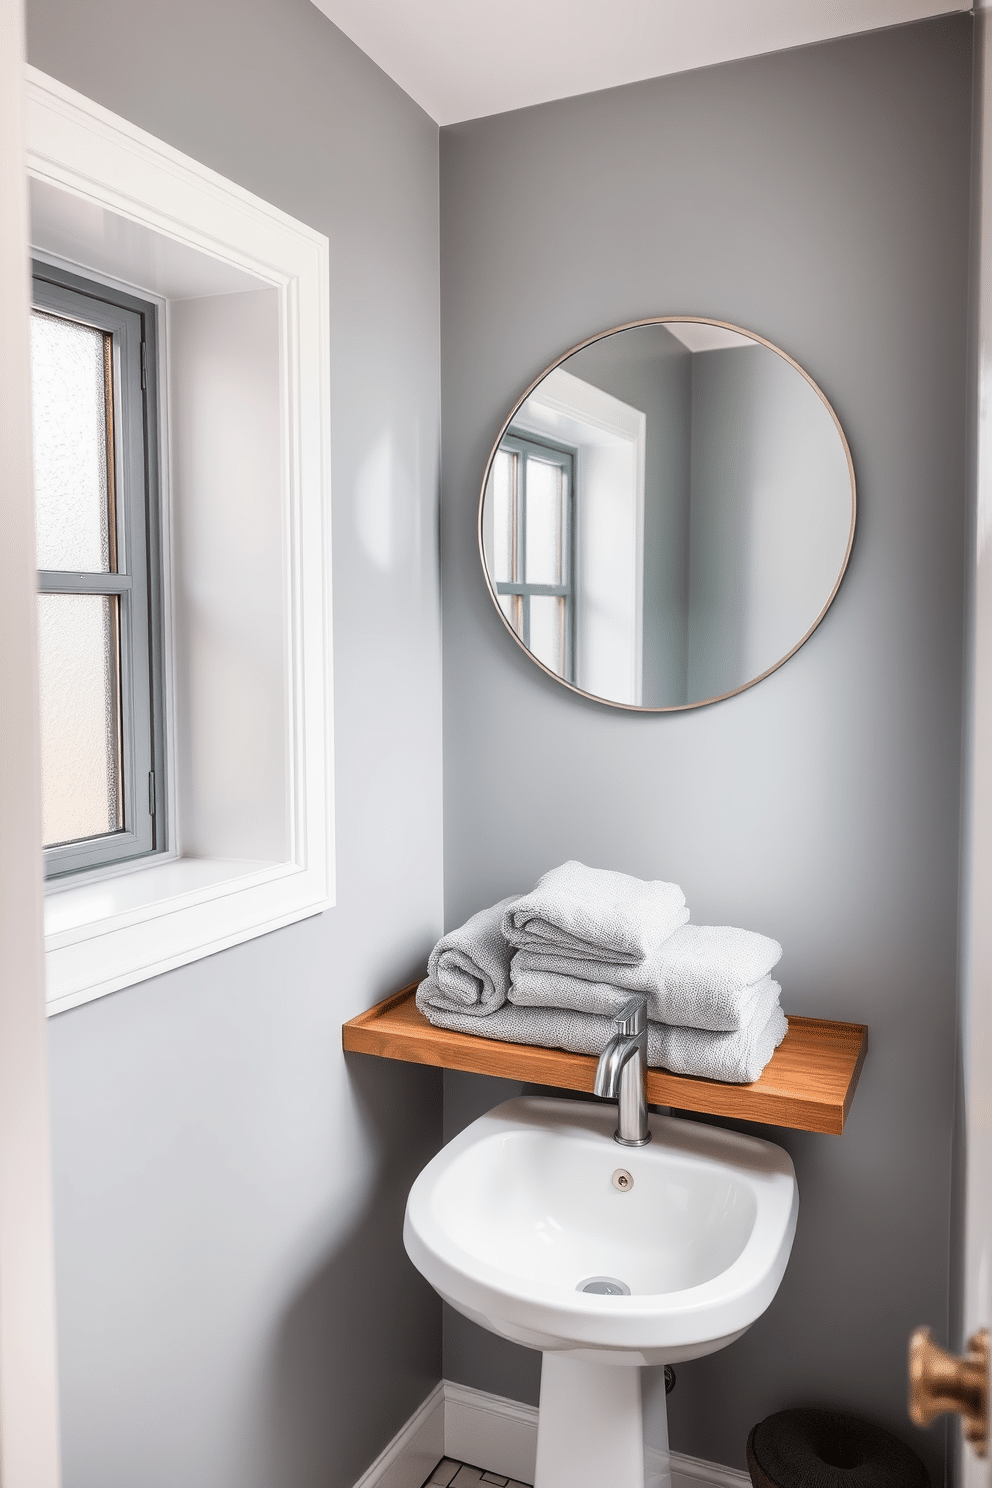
pixel 504 504
pixel 544 522
pixel 547 631
pixel 69 384
pixel 80 716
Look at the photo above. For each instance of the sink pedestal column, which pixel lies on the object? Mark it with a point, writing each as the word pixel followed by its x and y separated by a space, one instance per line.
pixel 590 1428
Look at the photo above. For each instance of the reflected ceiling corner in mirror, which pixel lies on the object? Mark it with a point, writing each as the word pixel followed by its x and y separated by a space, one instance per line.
pixel 667 513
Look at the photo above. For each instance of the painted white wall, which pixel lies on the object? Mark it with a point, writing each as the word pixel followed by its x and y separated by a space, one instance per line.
pixel 228 566
pixel 29 1444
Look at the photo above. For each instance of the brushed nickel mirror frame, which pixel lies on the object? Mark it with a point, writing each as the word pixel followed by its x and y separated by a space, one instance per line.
pixel 631 325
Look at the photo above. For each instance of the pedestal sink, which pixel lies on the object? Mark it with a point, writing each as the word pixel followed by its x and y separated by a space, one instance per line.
pixel 534 1223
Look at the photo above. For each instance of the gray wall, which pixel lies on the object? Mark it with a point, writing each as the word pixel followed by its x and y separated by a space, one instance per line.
pixel 829 212
pixel 235 1306
pixel 771 515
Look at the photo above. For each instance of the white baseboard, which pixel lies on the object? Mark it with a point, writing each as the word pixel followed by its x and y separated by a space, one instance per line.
pixel 499 1435
pixel 414 1451
pixel 490 1431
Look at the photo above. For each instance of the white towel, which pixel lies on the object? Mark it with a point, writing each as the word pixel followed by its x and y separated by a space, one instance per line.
pixel 468 971
pixel 736 1058
pixel 595 914
pixel 702 976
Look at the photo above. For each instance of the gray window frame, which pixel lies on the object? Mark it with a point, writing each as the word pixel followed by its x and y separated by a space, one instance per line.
pixel 515 441
pixel 132 324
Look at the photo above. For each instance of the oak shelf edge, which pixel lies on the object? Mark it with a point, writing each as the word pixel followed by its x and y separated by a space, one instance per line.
pixel 808 1086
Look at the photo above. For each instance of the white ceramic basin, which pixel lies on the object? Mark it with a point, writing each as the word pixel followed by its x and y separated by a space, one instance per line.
pixel 520 1210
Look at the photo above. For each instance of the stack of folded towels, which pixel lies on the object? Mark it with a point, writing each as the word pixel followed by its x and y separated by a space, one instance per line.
pixel 555 966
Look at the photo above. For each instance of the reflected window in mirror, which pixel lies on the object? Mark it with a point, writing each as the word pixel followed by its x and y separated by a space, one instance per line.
pixel 532 544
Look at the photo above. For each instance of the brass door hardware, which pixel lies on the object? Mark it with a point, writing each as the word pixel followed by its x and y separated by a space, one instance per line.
pixel 939 1382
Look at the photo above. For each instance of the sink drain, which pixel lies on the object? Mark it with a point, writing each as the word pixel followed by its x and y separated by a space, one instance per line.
pixel 604 1286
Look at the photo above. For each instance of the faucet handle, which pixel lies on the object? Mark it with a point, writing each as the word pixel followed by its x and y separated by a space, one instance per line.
pixel 633 1016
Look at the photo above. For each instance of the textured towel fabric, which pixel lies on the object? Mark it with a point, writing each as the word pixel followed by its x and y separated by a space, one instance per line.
pixel 701 976
pixel 469 969
pixel 737 1058
pixel 549 989
pixel 596 914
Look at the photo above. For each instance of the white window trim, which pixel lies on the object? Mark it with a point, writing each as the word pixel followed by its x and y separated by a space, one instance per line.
pixel 109 932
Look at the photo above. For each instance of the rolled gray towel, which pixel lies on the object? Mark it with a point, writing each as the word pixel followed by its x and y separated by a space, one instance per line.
pixel 702 976
pixel 468 971
pixel 736 1058
pixel 594 914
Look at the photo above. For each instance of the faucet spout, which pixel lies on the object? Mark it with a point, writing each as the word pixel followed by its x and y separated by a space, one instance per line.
pixel 612 1063
pixel 621 1071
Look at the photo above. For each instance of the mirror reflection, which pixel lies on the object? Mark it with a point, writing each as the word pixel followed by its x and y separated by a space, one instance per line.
pixel 667 515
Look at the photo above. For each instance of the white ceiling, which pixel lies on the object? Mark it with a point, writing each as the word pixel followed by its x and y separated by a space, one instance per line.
pixel 461 59
pixel 699 336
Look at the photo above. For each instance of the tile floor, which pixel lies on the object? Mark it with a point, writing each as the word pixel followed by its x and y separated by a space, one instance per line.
pixel 452 1474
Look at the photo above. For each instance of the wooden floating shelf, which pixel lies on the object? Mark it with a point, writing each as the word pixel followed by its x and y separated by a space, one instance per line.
pixel 808 1085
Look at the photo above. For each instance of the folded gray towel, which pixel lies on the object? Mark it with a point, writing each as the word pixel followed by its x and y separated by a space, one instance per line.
pixel 468 971
pixel 550 989
pixel 596 914
pixel 737 1058
pixel 702 976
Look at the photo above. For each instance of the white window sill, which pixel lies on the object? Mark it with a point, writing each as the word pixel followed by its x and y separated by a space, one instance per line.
pixel 100 937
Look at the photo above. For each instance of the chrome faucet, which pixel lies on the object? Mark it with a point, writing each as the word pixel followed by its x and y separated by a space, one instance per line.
pixel 621 1070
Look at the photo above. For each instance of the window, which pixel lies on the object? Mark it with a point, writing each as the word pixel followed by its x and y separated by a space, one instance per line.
pixel 95 455
pixel 241 293
pixel 533 546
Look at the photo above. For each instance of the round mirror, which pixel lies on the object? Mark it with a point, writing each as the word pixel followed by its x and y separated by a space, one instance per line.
pixel 667 513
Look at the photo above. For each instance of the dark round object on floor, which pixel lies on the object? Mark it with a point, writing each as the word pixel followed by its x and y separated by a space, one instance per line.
pixel 823 1449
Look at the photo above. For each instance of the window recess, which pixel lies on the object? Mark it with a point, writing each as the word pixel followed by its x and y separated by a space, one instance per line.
pixel 244 795
pixel 96 503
